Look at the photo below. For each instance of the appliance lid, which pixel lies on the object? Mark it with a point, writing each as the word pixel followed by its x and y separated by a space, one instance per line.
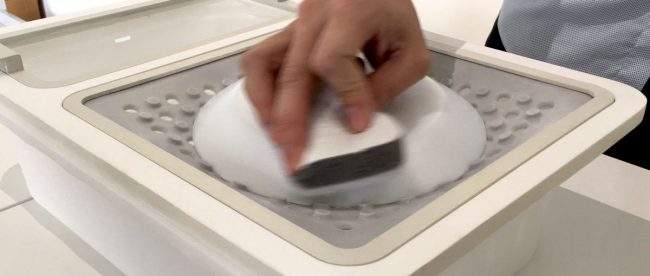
pixel 62 55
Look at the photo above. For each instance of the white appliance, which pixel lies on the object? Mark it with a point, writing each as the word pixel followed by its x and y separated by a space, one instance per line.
pixel 75 89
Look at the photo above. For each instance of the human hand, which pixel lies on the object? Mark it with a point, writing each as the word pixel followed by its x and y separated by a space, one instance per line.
pixel 323 44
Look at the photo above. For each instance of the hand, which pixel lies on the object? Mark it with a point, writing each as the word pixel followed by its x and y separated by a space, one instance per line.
pixel 322 44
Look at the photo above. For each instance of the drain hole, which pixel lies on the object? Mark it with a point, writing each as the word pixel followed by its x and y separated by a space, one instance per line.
pixel 512 114
pixel 158 129
pixel 193 92
pixel 345 226
pixel 503 98
pixel 546 105
pixel 166 117
pixel 520 127
pixel 130 109
pixel 482 92
pixel 465 91
pixel 172 100
pixel 209 92
pixel 227 82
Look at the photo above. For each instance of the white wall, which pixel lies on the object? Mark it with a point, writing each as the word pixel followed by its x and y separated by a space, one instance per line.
pixel 469 20
pixel 59 7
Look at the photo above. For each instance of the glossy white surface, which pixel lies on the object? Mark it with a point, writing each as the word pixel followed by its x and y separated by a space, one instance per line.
pixel 11 192
pixel 241 152
pixel 7 155
pixel 132 242
pixel 614 183
pixel 582 236
pixel 31 247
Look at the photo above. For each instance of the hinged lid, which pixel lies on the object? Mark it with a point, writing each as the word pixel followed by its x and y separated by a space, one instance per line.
pixel 65 54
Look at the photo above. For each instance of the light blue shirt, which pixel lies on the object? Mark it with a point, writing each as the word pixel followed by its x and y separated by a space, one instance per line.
pixel 609 38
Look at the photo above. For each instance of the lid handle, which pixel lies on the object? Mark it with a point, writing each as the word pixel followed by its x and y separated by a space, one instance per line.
pixel 10 61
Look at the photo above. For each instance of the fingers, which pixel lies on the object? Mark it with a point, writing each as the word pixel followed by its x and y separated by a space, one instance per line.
pixel 399 72
pixel 296 85
pixel 398 69
pixel 323 43
pixel 335 61
pixel 399 56
pixel 260 66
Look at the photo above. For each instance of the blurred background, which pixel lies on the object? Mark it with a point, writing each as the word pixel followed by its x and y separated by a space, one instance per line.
pixel 469 20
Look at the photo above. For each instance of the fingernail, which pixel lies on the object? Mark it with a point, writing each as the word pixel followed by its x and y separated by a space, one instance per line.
pixel 357 120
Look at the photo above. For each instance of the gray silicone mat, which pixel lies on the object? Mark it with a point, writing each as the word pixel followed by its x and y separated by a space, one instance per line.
pixel 514 109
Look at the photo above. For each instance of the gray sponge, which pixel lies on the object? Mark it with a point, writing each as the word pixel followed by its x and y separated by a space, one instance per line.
pixel 348 167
